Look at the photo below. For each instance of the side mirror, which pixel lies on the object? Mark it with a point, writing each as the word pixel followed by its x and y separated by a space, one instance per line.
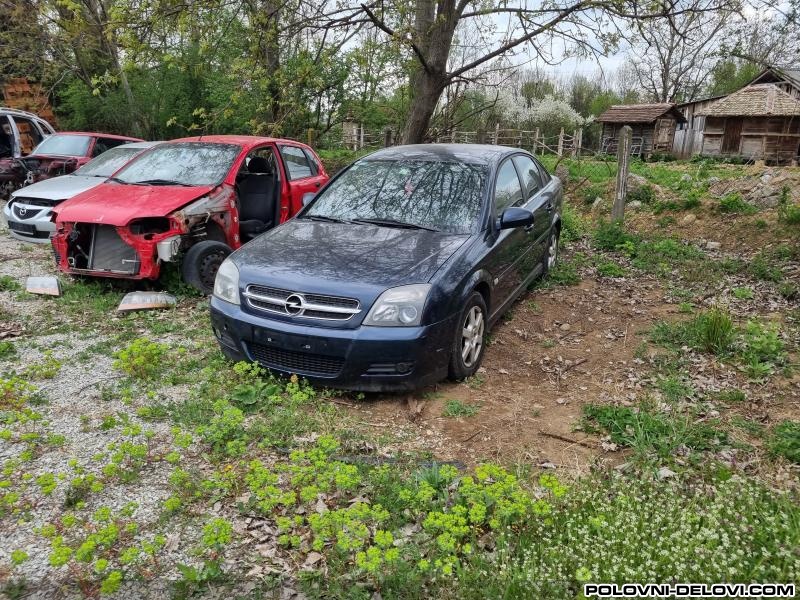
pixel 308 197
pixel 514 217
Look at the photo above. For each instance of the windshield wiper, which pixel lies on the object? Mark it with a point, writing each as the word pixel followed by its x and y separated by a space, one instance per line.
pixel 117 180
pixel 394 223
pixel 160 182
pixel 324 218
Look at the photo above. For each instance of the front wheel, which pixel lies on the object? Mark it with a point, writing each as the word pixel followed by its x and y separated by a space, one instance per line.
pixel 469 342
pixel 201 263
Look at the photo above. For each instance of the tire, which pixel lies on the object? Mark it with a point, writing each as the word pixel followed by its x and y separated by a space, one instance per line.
pixel 201 263
pixel 550 258
pixel 473 316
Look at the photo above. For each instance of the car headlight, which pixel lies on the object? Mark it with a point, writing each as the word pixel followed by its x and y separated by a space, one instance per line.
pixel 226 285
pixel 399 307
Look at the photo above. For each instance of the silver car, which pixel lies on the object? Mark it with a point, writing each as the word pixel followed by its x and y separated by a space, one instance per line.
pixel 29 210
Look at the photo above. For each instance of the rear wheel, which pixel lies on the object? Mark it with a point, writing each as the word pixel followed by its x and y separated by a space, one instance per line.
pixel 551 252
pixel 468 344
pixel 201 263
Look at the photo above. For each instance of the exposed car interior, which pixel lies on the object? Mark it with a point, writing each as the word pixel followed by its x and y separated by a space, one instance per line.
pixel 6 138
pixel 257 194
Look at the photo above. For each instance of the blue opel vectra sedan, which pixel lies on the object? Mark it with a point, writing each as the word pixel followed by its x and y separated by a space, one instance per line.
pixel 390 277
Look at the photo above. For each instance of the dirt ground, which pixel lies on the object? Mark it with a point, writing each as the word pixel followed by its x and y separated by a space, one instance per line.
pixel 560 349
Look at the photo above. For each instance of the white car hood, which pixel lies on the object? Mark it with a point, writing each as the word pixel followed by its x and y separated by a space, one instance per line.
pixel 58 188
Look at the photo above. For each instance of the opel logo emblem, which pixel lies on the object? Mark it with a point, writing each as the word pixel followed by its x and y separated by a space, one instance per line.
pixel 294 304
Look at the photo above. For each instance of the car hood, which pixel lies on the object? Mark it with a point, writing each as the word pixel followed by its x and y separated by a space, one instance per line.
pixel 58 188
pixel 118 204
pixel 344 259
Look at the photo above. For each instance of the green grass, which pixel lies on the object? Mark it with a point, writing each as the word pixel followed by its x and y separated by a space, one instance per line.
pixel 650 433
pixel 733 203
pixel 608 268
pixel 711 331
pixel 785 441
pixel 456 408
pixel 9 284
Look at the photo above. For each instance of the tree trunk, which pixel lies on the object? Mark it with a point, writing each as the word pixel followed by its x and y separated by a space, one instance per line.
pixel 427 89
pixel 433 36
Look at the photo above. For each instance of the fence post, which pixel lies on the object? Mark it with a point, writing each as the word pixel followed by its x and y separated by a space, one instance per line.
pixel 561 142
pixel 496 133
pixel 575 143
pixel 481 135
pixel 623 158
pixel 311 136
pixel 579 142
pixel 387 137
pixel 535 140
pixel 361 136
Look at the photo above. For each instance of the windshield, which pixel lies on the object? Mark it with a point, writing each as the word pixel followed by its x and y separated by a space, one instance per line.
pixel 183 163
pixel 445 196
pixel 109 162
pixel 64 145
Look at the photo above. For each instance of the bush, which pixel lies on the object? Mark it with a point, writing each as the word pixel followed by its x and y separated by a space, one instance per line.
pixel 788 212
pixel 573 226
pixel 733 202
pixel 141 359
pixel 612 236
pixel 644 194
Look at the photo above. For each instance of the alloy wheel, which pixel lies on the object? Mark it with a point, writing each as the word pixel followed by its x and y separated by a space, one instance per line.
pixel 552 251
pixel 472 336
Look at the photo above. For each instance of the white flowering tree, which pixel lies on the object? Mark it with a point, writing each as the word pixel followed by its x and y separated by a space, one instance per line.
pixel 549 113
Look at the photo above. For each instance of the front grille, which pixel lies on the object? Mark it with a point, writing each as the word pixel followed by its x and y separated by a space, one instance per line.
pixel 301 304
pixel 297 362
pixel 110 253
pixel 22 212
pixel 34 201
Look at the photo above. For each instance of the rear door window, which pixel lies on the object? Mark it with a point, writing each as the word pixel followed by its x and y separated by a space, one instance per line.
pixel 29 134
pixel 103 144
pixel 297 163
pixel 529 172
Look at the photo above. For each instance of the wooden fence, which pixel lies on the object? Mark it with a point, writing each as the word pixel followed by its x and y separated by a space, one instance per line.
pixel 356 137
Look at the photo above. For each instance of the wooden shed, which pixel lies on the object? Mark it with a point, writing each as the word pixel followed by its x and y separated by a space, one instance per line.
pixel 653 127
pixel 758 122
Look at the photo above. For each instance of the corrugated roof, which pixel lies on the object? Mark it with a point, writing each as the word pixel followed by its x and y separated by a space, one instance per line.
pixel 789 74
pixel 638 113
pixel 762 99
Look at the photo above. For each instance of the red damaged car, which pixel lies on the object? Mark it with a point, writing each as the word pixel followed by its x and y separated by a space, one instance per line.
pixel 57 154
pixel 191 200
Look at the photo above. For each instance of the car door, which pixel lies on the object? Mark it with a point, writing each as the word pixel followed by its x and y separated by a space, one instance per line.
pixel 538 200
pixel 510 244
pixel 303 175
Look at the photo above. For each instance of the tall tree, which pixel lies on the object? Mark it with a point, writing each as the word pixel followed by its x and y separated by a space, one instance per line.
pixel 427 28
pixel 673 55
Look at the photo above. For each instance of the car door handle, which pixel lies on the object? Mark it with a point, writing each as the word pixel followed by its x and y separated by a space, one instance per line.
pixel 549 207
pixel 529 228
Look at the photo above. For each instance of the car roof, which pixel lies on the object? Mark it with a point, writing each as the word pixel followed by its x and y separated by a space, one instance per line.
pixel 96 134
pixel 483 154
pixel 246 141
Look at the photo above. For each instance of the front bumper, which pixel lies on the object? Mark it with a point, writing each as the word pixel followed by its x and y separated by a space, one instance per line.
pixel 369 359
pixel 32 226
